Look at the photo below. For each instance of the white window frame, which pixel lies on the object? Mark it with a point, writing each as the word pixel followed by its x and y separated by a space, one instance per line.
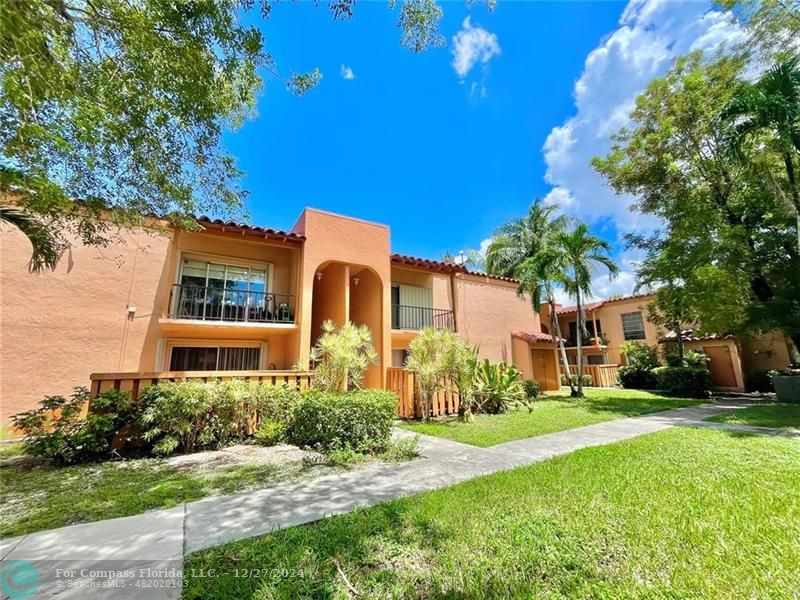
pixel 625 333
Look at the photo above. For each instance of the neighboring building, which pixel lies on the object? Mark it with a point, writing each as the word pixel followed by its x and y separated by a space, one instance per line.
pixel 235 297
pixel 612 322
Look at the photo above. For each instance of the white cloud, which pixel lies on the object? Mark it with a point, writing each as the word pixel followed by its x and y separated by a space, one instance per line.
pixel 651 34
pixel 472 45
pixel 347 73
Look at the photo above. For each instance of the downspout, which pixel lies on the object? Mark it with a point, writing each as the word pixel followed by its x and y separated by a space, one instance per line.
pixel 453 298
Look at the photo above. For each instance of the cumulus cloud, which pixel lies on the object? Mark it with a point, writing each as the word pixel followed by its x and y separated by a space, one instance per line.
pixel 473 44
pixel 651 34
pixel 347 73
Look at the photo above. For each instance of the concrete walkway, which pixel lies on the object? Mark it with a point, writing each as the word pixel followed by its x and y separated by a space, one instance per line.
pixel 158 540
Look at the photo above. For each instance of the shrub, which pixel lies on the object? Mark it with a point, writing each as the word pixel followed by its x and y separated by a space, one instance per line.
pixel 434 355
pixel 683 381
pixel 694 358
pixel 342 357
pixel 637 378
pixel 760 381
pixel 190 415
pixel 405 448
pixel 270 433
pixel 57 430
pixel 532 388
pixel 639 355
pixel 275 402
pixel 498 387
pixel 587 380
pixel 359 420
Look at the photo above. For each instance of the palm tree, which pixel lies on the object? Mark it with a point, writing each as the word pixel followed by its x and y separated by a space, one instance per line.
pixel 46 247
pixel 772 104
pixel 526 249
pixel 582 252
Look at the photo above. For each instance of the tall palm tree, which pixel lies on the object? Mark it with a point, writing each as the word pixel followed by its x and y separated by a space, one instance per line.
pixel 583 252
pixel 526 249
pixel 46 247
pixel 772 105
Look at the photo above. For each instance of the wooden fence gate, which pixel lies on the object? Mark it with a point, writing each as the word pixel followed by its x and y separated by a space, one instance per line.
pixel 409 405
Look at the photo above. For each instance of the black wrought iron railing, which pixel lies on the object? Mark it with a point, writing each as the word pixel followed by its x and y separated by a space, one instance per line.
pixel 419 317
pixel 228 304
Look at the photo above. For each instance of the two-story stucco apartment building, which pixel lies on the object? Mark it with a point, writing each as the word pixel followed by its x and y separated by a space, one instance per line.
pixel 240 298
pixel 610 323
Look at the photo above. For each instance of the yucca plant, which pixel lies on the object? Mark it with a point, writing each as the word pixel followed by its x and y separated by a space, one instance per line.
pixel 498 387
pixel 342 356
pixel 430 356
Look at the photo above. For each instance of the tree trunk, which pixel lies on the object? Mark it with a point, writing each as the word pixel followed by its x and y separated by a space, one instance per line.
pixel 555 329
pixel 790 174
pixel 676 327
pixel 579 343
pixel 794 356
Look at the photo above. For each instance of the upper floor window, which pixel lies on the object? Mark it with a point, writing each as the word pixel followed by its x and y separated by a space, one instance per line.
pixel 633 325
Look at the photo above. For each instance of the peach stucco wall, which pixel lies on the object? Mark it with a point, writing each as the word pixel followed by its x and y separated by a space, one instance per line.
pixel 359 244
pixel 488 311
pixel 60 326
pixel 766 352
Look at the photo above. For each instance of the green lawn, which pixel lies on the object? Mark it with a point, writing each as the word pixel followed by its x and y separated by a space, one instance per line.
pixel 780 415
pixel 684 513
pixel 44 497
pixel 555 413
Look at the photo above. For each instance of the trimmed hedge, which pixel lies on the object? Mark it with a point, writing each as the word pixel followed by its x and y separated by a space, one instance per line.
pixel 637 378
pixel 359 420
pixel 683 381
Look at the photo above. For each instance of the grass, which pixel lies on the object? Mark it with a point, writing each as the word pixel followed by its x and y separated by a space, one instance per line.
pixel 551 414
pixel 10 450
pixel 778 415
pixel 684 513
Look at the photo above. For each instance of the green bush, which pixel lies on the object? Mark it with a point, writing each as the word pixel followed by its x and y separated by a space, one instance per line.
pixel 270 433
pixel 359 420
pixel 637 378
pixel 498 387
pixel 56 429
pixel 683 381
pixel 275 402
pixel 639 355
pixel 532 388
pixel 587 380
pixel 760 381
pixel 191 415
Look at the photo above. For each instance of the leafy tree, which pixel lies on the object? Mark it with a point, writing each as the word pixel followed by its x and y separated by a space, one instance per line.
pixel 527 249
pixel 122 105
pixel 771 106
pixel 342 356
pixel 728 240
pixel 461 364
pixel 582 252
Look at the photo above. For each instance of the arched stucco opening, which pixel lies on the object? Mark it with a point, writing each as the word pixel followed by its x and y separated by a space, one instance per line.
pixel 350 292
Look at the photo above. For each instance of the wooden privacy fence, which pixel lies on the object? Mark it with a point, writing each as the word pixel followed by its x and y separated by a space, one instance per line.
pixel 135 382
pixel 409 404
pixel 602 375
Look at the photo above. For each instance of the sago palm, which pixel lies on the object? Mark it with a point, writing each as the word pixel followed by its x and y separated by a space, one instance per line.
pixel 583 252
pixel 527 249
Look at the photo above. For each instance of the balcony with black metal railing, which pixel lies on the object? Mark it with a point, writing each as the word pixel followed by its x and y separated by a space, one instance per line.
pixel 230 305
pixel 416 318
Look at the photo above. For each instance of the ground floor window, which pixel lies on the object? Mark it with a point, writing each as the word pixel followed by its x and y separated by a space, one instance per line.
pixel 215 358
pixel 399 358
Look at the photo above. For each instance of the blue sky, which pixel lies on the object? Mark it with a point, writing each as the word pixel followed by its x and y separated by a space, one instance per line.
pixel 445 145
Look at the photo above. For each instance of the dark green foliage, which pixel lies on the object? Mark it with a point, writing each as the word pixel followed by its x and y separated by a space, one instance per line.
pixel 637 378
pixel 360 420
pixel 683 381
pixel 57 430
pixel 275 402
pixel 760 381
pixel 532 388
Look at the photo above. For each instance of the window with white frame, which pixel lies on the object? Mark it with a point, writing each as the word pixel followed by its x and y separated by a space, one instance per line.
pixel 215 358
pixel 633 326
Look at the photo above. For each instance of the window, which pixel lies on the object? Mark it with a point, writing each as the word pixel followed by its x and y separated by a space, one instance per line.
pixel 210 290
pixel 399 358
pixel 633 326
pixel 215 358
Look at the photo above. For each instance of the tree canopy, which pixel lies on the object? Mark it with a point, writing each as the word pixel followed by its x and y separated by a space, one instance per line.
pixel 121 105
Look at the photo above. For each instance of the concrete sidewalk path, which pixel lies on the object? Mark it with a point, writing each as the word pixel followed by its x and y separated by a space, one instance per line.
pixel 158 540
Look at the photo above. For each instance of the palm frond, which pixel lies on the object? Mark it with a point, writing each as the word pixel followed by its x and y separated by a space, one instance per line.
pixel 47 248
